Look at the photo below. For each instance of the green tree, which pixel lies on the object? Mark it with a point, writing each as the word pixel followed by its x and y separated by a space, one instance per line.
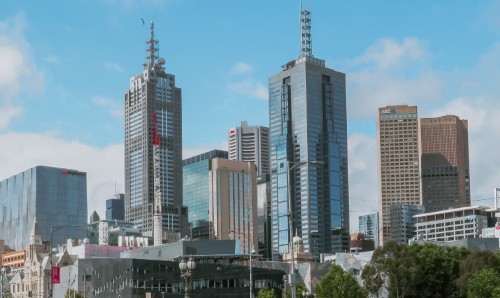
pixel 266 293
pixel 483 283
pixel 72 293
pixel 475 262
pixel 339 284
pixel 372 279
pixel 5 286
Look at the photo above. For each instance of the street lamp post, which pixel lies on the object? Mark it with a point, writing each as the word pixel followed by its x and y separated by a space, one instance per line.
pixel 251 277
pixel 290 166
pixel 187 269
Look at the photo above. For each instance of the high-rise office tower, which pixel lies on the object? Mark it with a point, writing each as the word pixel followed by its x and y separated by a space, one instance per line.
pixel 250 143
pixel 368 225
pixel 195 187
pixel 308 131
pixel 50 196
pixel 398 160
pixel 115 207
pixel 445 163
pixel 153 90
pixel 232 206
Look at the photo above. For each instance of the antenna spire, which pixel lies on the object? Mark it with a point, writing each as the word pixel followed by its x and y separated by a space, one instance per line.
pixel 152 49
pixel 305 32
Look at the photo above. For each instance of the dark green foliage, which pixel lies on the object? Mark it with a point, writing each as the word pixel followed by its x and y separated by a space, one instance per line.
pixel 476 261
pixel 339 284
pixel 5 286
pixel 414 271
pixel 485 283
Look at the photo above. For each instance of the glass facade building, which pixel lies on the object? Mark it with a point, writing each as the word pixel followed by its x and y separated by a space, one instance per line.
pixel 52 196
pixel 115 207
pixel 368 226
pixel 307 106
pixel 196 191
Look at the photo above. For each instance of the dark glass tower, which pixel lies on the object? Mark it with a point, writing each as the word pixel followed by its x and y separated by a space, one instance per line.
pixel 307 106
pixel 153 90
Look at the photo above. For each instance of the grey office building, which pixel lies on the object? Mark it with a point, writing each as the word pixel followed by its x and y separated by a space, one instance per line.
pixel 153 90
pixel 368 226
pixel 54 196
pixel 307 106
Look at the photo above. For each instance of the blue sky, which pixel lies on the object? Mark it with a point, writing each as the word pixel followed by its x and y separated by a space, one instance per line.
pixel 65 65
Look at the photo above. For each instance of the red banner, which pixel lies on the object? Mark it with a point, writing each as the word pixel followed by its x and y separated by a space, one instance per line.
pixel 56 278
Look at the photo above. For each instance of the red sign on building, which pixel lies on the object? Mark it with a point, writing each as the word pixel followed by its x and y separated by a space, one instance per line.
pixel 56 277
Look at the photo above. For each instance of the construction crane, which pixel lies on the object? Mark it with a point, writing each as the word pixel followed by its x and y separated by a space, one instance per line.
pixel 158 215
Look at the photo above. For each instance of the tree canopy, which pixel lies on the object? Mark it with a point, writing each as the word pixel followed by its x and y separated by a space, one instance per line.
pixel 339 284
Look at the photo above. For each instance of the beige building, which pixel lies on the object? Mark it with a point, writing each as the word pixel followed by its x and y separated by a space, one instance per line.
pixel 233 202
pixel 445 163
pixel 398 161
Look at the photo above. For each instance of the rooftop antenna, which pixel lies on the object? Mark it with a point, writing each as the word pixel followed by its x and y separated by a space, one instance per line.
pixel 305 32
pixel 152 49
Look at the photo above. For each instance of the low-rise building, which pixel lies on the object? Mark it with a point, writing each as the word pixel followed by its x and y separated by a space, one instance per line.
pixel 454 224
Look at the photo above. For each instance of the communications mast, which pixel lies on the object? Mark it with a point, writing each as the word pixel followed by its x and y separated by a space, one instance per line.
pixel 158 215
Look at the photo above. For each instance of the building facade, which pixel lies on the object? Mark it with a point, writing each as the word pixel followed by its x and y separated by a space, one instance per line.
pixel 307 115
pixel 445 163
pixel 196 194
pixel 54 196
pixel 250 143
pixel 232 206
pixel 398 161
pixel 368 226
pixel 402 221
pixel 115 207
pixel 454 224
pixel 153 91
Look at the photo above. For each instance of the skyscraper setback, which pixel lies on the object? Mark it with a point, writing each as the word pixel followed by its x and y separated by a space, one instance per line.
pixel 445 163
pixel 398 160
pixel 153 90
pixel 307 107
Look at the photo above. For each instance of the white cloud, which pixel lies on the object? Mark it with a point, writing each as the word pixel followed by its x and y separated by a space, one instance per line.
pixel 115 109
pixel 363 190
pixel 392 72
pixel 104 166
pixel 241 68
pixel 114 67
pixel 250 87
pixel 18 71
pixel 53 59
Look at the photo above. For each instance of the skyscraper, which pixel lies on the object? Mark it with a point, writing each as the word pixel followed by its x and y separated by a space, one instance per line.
pixel 232 206
pixel 368 225
pixel 153 90
pixel 250 143
pixel 307 115
pixel 51 196
pixel 398 160
pixel 115 207
pixel 195 171
pixel 445 163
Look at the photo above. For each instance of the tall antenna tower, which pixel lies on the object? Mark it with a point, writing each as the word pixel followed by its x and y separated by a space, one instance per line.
pixel 158 215
pixel 305 32
pixel 152 49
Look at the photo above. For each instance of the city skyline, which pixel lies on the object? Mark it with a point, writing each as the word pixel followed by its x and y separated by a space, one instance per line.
pixel 63 76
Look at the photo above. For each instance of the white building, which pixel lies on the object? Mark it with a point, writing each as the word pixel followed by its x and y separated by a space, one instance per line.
pixel 454 224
